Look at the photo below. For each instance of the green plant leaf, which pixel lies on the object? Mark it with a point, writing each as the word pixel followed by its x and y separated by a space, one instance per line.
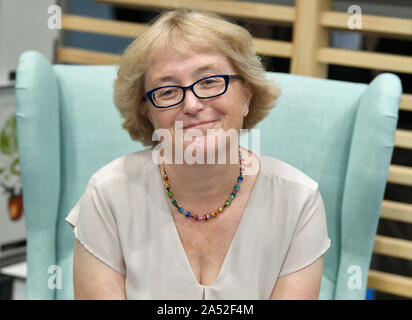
pixel 13 166
pixel 8 136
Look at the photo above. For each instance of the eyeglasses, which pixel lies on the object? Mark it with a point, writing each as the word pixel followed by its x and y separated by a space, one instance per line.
pixel 205 88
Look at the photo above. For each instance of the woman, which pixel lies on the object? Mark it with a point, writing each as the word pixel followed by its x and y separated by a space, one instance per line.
pixel 147 229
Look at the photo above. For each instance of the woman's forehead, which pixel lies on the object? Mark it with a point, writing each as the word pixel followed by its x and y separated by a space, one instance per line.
pixel 188 56
pixel 191 63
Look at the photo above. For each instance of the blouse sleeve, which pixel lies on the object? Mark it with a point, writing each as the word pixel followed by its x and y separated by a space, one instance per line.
pixel 310 239
pixel 95 228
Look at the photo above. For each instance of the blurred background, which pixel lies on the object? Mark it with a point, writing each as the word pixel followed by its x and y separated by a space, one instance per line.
pixel 337 45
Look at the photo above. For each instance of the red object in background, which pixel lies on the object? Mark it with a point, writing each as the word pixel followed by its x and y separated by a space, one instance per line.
pixel 15 207
pixel 15 202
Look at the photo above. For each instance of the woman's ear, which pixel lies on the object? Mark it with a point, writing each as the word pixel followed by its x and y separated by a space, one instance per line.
pixel 149 115
pixel 248 98
pixel 248 90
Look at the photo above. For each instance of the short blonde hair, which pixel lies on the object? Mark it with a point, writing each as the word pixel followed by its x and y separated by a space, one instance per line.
pixel 198 30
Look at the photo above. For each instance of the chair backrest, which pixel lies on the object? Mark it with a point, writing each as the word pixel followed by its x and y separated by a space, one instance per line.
pixel 340 134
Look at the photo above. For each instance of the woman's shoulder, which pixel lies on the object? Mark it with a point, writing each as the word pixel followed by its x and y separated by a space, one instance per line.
pixel 128 166
pixel 276 169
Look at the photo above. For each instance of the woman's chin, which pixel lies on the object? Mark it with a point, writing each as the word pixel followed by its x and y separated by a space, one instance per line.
pixel 210 150
pixel 199 148
pixel 207 148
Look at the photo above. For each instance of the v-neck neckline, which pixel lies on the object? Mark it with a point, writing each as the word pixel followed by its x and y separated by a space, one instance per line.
pixel 245 216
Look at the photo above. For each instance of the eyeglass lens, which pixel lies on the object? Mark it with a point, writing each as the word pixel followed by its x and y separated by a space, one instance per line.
pixel 205 88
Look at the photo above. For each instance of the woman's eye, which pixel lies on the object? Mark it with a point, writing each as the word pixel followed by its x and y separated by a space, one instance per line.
pixel 167 93
pixel 208 82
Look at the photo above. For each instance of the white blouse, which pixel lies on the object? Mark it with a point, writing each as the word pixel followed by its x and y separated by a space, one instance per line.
pixel 124 219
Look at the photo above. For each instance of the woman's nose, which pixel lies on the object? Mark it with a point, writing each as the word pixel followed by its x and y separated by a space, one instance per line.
pixel 192 104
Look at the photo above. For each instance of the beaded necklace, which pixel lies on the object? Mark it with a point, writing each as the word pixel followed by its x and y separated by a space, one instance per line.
pixel 213 214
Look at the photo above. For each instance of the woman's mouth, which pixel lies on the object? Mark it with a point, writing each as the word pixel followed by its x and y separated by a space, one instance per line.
pixel 201 125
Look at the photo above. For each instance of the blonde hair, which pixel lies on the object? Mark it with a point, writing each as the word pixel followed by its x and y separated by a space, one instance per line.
pixel 198 30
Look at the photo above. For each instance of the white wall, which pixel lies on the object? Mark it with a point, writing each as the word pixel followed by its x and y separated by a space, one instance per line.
pixel 23 26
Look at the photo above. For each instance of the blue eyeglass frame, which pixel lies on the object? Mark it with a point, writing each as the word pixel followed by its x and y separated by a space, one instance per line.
pixel 227 78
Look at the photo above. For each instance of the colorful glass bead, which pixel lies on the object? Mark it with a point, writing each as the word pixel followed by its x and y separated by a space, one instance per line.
pixel 213 214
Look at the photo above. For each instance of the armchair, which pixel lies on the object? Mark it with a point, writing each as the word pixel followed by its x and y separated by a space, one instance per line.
pixel 341 134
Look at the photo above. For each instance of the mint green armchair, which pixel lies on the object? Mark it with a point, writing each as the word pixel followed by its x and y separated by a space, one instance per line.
pixel 341 134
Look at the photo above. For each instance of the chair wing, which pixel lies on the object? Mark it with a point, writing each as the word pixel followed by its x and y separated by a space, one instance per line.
pixel 38 135
pixel 330 130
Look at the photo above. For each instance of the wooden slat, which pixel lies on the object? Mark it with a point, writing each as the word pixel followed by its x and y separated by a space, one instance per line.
pixel 397 248
pixel 250 10
pixel 371 60
pixel 400 175
pixel 102 26
pixel 403 139
pixel 267 47
pixel 273 48
pixel 397 211
pixel 379 24
pixel 390 283
pixel 80 56
pixel 308 37
pixel 406 102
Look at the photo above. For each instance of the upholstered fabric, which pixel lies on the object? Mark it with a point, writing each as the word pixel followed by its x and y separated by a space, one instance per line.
pixel 340 134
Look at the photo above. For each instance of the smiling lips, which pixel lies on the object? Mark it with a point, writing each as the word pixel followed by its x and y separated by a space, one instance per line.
pixel 199 124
